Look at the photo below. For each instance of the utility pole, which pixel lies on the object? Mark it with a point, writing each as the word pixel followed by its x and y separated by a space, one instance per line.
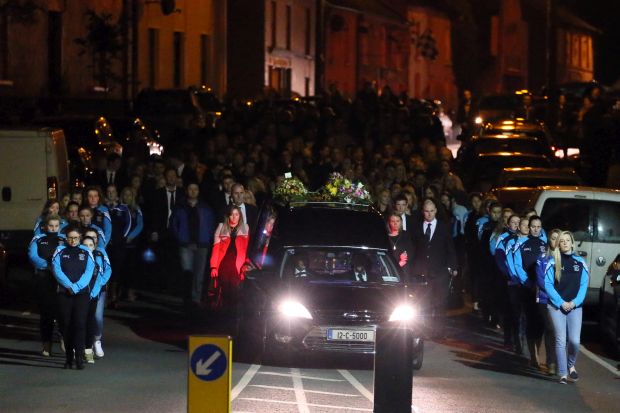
pixel 549 16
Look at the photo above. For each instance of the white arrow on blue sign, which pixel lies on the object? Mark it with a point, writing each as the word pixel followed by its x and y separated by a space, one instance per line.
pixel 208 362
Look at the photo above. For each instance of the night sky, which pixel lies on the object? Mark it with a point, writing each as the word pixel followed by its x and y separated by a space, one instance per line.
pixel 603 14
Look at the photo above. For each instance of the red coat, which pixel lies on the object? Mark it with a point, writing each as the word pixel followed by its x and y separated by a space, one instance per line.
pixel 222 241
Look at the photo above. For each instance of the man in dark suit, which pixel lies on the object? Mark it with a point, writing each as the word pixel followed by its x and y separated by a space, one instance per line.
pixel 435 257
pixel 159 211
pixel 248 211
pixel 112 175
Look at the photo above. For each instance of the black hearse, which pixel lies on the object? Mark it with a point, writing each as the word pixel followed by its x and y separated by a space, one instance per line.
pixel 323 280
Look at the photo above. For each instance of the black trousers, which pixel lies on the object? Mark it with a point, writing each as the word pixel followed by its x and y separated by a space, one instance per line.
pixel 512 322
pixel 45 286
pixel 438 290
pixel 73 313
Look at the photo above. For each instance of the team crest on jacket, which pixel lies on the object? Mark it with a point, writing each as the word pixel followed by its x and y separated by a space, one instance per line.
pixel 576 267
pixel 543 248
pixel 81 257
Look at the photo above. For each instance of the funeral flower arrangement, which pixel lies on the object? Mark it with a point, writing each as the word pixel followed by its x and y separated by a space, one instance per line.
pixel 291 189
pixel 339 188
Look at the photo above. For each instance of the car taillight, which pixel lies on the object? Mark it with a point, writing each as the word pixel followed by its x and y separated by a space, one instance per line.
pixel 52 187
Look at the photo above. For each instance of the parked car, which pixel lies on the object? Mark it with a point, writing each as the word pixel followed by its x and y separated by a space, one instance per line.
pixel 303 296
pixel 533 177
pixel 609 310
pixel 591 214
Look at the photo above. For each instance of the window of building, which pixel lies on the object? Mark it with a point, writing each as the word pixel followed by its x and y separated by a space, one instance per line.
pixel 4 45
pixel 178 53
pixel 288 27
pixel 274 23
pixel 205 58
pixel 308 48
pixel 153 62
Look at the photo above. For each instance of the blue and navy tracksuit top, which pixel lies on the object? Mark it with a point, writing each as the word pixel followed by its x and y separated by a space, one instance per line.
pixel 103 271
pixel 41 249
pixel 39 226
pixel 121 223
pixel 480 225
pixel 524 258
pixel 102 220
pixel 573 283
pixel 497 246
pixel 73 268
pixel 137 223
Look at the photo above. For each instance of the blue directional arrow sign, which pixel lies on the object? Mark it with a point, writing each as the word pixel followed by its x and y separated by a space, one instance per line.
pixel 208 362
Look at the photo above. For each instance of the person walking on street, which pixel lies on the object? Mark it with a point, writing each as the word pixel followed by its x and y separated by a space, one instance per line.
pixel 192 224
pixel 402 245
pixel 98 282
pixel 229 254
pixel 566 283
pixel 132 240
pixel 101 214
pixel 74 267
pixel 51 207
pixel 98 295
pixel 522 261
pixel 433 249
pixel 40 252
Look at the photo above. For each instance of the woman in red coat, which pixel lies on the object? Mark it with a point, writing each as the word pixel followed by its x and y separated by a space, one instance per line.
pixel 229 253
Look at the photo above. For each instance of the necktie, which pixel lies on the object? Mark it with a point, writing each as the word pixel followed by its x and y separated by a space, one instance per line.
pixel 111 178
pixel 427 233
pixel 171 200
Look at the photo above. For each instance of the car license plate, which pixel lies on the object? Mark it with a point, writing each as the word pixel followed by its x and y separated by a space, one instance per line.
pixel 350 335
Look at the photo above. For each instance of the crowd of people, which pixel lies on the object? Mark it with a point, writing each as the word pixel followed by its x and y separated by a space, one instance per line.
pixel 193 211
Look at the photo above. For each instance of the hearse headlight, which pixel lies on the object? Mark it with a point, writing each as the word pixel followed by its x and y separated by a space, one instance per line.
pixel 294 309
pixel 403 312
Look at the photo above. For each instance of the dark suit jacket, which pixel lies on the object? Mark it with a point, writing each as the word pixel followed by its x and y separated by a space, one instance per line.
pixel 157 209
pixel 100 178
pixel 433 259
pixel 252 213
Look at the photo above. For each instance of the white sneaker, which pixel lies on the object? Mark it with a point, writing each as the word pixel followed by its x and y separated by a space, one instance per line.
pixel 89 356
pixel 98 349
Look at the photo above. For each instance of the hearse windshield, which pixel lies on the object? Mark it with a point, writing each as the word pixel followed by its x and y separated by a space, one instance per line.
pixel 338 265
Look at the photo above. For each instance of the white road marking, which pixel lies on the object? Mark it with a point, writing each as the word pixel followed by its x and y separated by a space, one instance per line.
pixel 358 386
pixel 329 393
pixel 300 396
pixel 245 379
pixel 325 406
pixel 599 361
pixel 273 373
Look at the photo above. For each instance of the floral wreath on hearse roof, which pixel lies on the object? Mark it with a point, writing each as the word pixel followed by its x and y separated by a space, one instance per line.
pixel 336 189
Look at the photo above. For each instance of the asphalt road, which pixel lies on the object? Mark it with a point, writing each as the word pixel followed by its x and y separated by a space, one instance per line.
pixel 145 370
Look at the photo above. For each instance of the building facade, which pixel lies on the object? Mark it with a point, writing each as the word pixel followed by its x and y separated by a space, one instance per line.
pixel 365 42
pixel 431 75
pixel 112 48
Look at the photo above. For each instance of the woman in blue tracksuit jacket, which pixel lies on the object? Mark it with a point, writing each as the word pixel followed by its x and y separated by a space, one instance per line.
pixel 132 241
pixel 542 300
pixel 566 283
pixel 86 215
pixel 94 322
pixel 51 207
pixel 101 214
pixel 73 266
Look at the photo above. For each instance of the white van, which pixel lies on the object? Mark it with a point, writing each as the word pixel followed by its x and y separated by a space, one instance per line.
pixel 33 168
pixel 591 214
